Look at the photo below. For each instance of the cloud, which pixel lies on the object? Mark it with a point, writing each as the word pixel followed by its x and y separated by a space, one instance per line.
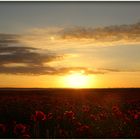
pixel 84 36
pixel 47 70
pixel 109 33
pixel 43 70
pixel 27 54
pixel 117 34
pixel 13 51
pixel 15 58
pixel 8 38
pixel 27 70
pixel 30 61
pixel 18 58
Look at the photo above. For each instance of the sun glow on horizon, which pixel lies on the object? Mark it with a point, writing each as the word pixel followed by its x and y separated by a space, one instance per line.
pixel 77 80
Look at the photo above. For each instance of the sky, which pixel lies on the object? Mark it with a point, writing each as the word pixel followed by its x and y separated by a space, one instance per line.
pixel 69 44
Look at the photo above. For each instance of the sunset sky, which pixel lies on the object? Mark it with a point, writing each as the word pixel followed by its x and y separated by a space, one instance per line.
pixel 70 44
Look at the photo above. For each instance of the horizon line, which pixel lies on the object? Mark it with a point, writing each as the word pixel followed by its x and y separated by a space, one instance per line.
pixel 67 88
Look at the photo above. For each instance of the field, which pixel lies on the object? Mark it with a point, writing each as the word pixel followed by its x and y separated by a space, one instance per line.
pixel 70 113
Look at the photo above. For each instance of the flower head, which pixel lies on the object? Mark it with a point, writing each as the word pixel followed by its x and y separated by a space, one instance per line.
pixel 69 114
pixel 19 129
pixel 38 116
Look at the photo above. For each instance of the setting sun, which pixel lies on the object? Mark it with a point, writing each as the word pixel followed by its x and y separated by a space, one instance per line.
pixel 77 80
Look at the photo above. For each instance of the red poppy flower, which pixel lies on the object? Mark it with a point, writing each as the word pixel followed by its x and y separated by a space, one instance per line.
pixel 39 116
pixel 19 129
pixel 136 116
pixel 69 114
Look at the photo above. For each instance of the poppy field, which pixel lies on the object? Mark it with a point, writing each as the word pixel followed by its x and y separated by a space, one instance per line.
pixel 70 113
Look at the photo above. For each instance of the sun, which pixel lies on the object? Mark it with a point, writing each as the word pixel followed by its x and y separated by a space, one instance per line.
pixel 77 80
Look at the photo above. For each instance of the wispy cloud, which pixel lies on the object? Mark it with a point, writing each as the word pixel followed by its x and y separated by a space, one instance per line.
pixel 15 58
pixel 18 59
pixel 26 55
pixel 84 36
pixel 47 70
pixel 32 53
pixel 32 61
pixel 128 33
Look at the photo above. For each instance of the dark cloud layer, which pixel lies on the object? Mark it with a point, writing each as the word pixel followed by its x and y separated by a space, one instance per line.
pixel 27 70
pixel 8 39
pixel 27 55
pixel 110 33
pixel 32 61
pixel 43 70
pixel 12 51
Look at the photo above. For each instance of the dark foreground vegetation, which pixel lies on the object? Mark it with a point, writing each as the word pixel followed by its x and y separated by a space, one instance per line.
pixel 69 113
